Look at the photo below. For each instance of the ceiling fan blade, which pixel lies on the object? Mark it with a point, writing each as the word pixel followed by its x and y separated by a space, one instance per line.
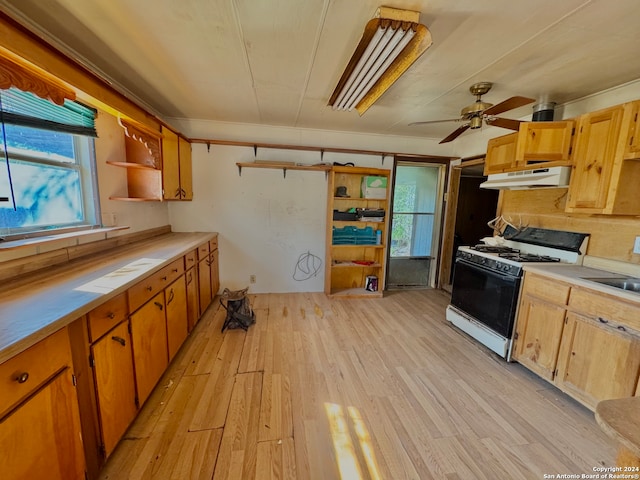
pixel 504 123
pixel 508 104
pixel 455 134
pixel 436 121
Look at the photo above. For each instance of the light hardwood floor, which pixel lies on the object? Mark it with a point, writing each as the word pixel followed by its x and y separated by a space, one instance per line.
pixel 322 388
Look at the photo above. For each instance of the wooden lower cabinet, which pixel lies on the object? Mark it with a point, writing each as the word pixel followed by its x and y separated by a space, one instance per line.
pixel 585 342
pixel 597 362
pixel 214 272
pixel 149 339
pixel 176 305
pixel 538 334
pixel 204 284
pixel 112 360
pixel 40 433
pixel 193 301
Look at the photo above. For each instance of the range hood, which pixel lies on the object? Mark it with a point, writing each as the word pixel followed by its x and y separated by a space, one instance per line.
pixel 551 177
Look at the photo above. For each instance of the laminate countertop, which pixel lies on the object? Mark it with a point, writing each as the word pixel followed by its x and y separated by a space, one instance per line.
pixel 580 275
pixel 39 304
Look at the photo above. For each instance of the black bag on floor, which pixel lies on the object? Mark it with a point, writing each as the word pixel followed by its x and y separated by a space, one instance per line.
pixel 238 307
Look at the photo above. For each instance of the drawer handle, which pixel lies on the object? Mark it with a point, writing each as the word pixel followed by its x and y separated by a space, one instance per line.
pixel 603 320
pixel 111 315
pixel 171 295
pixel 23 377
pixel 149 288
pixel 190 260
pixel 164 278
pixel 621 328
pixel 120 340
pixel 159 305
pixel 175 270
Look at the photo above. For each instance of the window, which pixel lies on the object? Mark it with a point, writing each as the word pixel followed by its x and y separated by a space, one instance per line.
pixel 48 178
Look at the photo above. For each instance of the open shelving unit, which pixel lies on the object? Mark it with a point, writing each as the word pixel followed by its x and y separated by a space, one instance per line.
pixel 344 277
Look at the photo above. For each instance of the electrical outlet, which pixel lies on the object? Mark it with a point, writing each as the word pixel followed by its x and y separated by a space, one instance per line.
pixel 636 245
pixel 252 279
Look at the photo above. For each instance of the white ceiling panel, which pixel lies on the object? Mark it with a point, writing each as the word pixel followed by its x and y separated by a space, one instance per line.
pixel 276 62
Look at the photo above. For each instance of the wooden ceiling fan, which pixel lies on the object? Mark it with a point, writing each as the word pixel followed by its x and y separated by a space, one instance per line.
pixel 474 114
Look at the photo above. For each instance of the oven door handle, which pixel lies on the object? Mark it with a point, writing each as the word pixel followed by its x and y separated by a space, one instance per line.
pixel 488 271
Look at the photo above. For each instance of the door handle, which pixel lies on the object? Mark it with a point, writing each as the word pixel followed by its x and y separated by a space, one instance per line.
pixel 159 305
pixel 171 295
pixel 120 340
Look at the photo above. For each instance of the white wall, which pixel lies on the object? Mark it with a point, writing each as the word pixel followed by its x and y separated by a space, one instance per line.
pixel 266 222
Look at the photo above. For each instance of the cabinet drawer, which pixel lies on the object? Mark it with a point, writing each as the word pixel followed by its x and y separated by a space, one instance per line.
pixel 605 307
pixel 106 316
pixel 546 288
pixel 213 244
pixel 190 259
pixel 203 251
pixel 34 366
pixel 150 286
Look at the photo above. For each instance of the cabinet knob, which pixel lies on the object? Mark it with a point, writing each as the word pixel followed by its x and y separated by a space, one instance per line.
pixel 111 315
pixel 120 340
pixel 175 270
pixel 23 377
pixel 149 288
pixel 164 278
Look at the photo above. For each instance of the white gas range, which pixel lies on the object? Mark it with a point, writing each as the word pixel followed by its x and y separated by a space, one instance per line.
pixel 486 281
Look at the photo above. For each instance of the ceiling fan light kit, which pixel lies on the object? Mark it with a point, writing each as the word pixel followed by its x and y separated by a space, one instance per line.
pixel 478 112
pixel 390 44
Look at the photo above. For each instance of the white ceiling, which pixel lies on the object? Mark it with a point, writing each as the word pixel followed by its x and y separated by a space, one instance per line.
pixel 276 62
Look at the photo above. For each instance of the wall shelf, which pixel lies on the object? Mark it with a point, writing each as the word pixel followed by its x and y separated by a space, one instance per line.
pixel 131 165
pixel 284 167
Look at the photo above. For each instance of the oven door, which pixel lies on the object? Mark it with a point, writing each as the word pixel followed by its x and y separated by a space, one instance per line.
pixel 487 296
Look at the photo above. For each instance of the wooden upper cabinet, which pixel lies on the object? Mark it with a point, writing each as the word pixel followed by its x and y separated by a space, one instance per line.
pixel 176 167
pixel 170 165
pixel 632 149
pixel 544 141
pixel 501 154
pixel 186 175
pixel 603 180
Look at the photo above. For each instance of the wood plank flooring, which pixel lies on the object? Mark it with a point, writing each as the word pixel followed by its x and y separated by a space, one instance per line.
pixel 374 389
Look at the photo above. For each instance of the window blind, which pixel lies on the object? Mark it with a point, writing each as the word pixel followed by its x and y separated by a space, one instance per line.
pixel 28 110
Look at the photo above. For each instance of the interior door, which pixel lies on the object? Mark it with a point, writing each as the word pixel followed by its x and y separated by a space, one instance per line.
pixel 415 224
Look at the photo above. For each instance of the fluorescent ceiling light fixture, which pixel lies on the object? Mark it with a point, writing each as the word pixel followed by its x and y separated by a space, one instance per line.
pixel 391 42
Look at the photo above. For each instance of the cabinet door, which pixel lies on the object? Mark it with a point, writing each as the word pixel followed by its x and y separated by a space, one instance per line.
pixel 632 149
pixel 170 165
pixel 193 305
pixel 597 362
pixel 538 333
pixel 213 267
pixel 204 284
pixel 501 154
pixel 186 181
pixel 177 327
pixel 149 338
pixel 595 146
pixel 544 141
pixel 115 384
pixel 42 438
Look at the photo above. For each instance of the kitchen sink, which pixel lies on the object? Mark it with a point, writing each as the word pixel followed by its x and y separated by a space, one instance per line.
pixel 623 283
